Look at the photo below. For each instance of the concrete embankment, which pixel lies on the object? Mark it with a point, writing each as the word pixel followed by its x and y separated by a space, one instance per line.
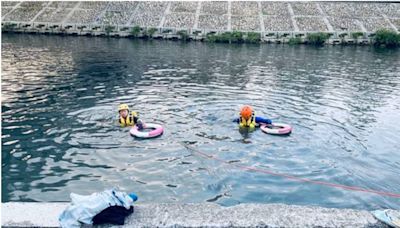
pixel 15 214
pixel 250 21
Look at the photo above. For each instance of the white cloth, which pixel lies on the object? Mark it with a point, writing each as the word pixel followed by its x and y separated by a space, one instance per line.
pixel 84 208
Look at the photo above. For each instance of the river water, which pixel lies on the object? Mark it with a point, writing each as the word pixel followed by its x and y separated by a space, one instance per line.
pixel 59 134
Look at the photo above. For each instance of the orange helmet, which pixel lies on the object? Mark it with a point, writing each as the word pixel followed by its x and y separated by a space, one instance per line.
pixel 246 111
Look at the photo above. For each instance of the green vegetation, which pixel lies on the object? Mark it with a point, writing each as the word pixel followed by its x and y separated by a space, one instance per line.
pixel 211 38
pixel 143 32
pixel 382 37
pixel 183 34
pixel 318 38
pixel 295 40
pixel 221 38
pixel 387 38
pixel 225 37
pixel 253 37
pixel 9 26
pixel 151 32
pixel 135 32
pixel 234 37
pixel 108 29
pixel 148 33
pixel 237 37
pixel 356 35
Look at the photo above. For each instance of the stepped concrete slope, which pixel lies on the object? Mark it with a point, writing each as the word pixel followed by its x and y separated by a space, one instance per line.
pixel 273 21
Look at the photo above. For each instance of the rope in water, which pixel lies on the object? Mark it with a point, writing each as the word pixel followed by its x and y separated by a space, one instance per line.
pixel 299 179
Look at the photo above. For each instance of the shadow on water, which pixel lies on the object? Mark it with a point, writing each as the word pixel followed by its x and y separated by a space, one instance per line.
pixel 59 133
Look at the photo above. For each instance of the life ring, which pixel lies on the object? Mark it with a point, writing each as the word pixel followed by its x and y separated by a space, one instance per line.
pixel 158 130
pixel 276 128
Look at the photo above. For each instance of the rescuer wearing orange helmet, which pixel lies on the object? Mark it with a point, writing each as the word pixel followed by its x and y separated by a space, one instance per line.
pixel 248 119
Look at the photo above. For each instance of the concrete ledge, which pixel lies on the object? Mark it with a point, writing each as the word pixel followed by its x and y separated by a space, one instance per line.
pixel 201 215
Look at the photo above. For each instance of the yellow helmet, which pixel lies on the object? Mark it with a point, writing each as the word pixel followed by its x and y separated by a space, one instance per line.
pixel 123 107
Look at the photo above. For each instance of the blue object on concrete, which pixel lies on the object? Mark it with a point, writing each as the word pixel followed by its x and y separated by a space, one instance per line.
pixel 84 208
pixel 133 196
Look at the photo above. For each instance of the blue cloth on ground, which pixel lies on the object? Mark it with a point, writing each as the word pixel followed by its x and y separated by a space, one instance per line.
pixel 84 208
pixel 259 120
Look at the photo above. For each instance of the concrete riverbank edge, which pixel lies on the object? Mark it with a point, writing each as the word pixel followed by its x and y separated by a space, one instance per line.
pixel 19 214
pixel 282 37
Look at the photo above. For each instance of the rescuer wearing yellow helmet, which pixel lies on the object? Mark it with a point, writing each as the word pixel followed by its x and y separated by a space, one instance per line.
pixel 127 118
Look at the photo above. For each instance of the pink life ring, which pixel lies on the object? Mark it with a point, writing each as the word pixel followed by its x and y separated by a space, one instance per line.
pixel 276 128
pixel 158 130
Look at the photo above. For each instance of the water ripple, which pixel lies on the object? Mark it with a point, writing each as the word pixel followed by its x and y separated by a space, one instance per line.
pixel 60 133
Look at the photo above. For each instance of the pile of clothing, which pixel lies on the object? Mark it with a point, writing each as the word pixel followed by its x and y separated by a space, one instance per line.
pixel 107 207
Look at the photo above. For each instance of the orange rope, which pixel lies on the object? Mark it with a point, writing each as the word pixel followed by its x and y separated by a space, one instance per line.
pixel 299 179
